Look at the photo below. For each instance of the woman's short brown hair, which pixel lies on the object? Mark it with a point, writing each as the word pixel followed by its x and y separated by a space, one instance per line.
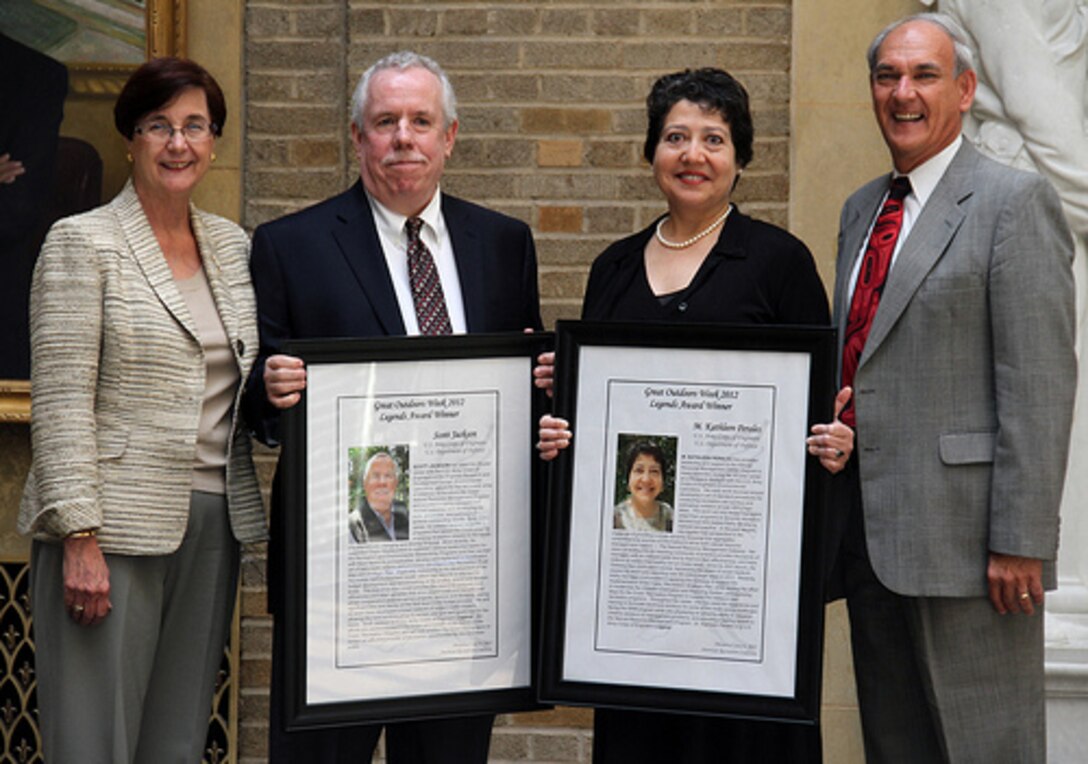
pixel 157 83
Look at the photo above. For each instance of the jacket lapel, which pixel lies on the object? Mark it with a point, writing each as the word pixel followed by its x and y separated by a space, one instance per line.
pixel 927 242
pixel 209 246
pixel 358 240
pixel 469 255
pixel 148 255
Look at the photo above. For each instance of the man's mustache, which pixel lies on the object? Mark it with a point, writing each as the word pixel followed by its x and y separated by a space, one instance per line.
pixel 399 158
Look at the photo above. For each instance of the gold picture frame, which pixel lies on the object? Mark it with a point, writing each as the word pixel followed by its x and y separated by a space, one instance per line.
pixel 166 35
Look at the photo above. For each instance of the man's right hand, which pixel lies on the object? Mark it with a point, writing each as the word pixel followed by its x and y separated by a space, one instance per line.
pixel 284 380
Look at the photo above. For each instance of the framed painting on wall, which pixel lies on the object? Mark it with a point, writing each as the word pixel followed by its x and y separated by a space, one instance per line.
pixel 99 43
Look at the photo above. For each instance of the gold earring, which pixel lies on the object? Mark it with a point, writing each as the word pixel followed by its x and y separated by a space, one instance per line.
pixel 213 156
pixel 129 158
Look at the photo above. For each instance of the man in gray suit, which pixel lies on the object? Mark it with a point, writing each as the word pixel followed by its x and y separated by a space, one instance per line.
pixel 954 301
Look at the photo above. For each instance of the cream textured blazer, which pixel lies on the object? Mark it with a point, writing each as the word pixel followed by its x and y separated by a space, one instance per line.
pixel 117 381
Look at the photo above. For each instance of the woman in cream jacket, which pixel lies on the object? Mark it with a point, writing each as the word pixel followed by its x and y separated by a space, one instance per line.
pixel 142 486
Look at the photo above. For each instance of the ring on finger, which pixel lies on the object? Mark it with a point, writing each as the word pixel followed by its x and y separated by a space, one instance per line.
pixel 1024 595
pixel 77 609
pixel 839 453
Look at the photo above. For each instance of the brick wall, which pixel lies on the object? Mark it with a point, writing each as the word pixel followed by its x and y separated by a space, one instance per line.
pixel 551 101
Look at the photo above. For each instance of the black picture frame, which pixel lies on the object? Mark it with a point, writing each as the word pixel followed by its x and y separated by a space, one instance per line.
pixel 566 652
pixel 429 360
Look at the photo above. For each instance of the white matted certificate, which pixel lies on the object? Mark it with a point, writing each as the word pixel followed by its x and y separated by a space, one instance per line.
pixel 412 591
pixel 684 563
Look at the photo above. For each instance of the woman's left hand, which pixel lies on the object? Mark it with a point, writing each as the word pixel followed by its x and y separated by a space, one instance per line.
pixel 833 443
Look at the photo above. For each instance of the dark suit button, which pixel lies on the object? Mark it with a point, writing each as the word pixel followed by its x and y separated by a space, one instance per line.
pixel 682 307
pixel 241 347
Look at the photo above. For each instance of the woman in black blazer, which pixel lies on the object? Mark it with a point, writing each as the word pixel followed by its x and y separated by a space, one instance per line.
pixel 702 262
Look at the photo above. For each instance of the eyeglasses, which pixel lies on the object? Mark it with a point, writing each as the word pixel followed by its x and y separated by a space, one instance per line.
pixel 160 131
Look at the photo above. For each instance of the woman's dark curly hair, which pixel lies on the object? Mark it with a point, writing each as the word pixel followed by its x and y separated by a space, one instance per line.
pixel 713 89
pixel 649 449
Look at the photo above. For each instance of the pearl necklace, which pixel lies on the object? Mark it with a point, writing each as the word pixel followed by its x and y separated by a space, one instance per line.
pixel 688 242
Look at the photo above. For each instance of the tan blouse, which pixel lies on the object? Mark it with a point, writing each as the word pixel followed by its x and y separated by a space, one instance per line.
pixel 221 383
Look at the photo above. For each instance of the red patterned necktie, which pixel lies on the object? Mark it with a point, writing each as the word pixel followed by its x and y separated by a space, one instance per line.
pixel 426 286
pixel 872 276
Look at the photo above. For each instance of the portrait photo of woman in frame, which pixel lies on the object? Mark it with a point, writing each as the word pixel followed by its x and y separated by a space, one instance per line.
pixel 646 479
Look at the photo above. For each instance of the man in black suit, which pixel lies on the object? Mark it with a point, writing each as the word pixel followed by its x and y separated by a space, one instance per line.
pixel 32 89
pixel 360 265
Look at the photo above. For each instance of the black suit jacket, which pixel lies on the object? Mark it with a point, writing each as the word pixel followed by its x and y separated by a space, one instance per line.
pixel 321 273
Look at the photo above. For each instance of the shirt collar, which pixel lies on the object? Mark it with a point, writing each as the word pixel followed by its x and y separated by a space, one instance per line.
pixel 925 177
pixel 391 224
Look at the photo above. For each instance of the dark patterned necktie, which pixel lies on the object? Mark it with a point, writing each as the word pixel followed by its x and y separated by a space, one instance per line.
pixel 872 277
pixel 426 286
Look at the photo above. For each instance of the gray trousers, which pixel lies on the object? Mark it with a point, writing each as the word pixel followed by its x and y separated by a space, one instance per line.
pixel 942 679
pixel 137 687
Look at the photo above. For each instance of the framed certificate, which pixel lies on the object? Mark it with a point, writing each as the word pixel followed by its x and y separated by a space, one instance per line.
pixel 412 483
pixel 684 569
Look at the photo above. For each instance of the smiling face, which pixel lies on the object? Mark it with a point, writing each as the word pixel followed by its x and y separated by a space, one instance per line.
pixel 380 484
pixel 403 142
pixel 172 169
pixel 918 100
pixel 695 164
pixel 645 481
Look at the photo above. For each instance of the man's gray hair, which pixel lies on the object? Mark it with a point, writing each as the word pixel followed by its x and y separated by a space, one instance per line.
pixel 404 59
pixel 965 59
pixel 381 455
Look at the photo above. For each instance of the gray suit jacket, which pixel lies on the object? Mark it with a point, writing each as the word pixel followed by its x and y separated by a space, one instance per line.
pixel 118 381
pixel 964 391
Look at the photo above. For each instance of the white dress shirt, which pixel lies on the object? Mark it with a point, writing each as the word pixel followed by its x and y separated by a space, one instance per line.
pixel 394 241
pixel 923 180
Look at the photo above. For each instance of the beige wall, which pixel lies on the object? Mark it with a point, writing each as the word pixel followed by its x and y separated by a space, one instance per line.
pixel 835 145
pixel 215 42
pixel 834 148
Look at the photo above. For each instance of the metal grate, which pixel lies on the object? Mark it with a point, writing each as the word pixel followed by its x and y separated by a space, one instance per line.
pixel 20 741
